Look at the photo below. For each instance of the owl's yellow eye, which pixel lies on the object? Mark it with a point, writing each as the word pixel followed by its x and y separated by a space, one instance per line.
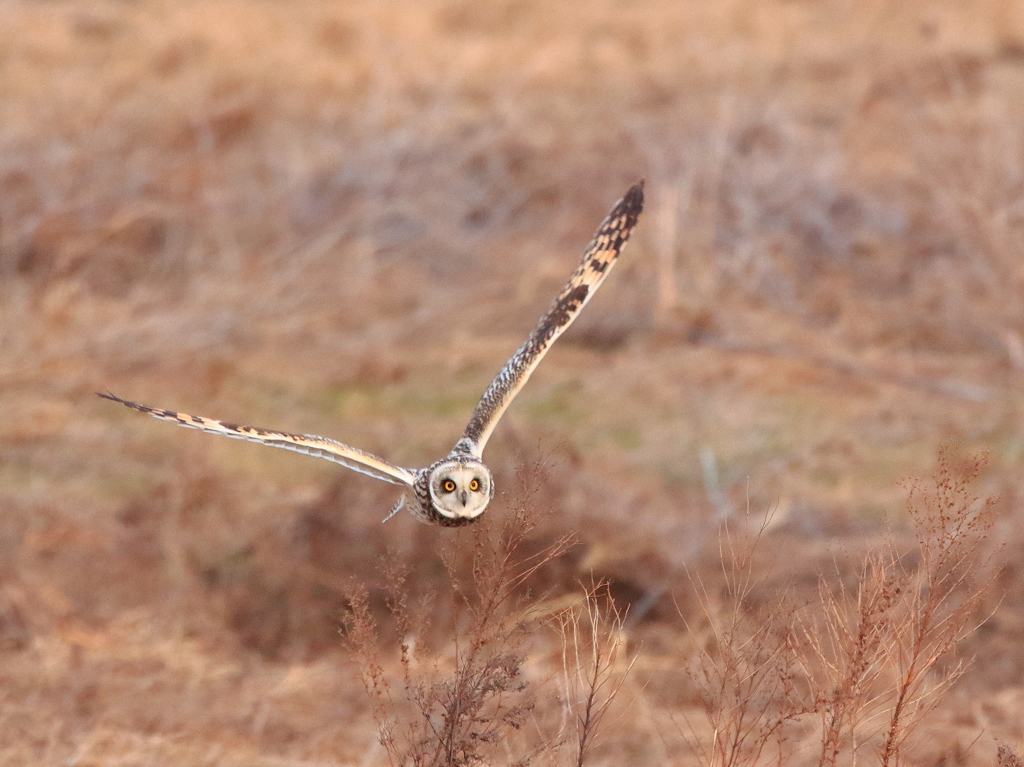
pixel 474 485
pixel 448 486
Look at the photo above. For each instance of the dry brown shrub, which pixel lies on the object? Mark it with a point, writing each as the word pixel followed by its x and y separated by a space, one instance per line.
pixel 470 670
pixel 867 662
pixel 593 671
pixel 941 596
pixel 455 702
pixel 744 668
pixel 1007 757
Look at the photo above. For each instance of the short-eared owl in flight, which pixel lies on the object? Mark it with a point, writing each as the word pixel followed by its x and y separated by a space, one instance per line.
pixel 456 490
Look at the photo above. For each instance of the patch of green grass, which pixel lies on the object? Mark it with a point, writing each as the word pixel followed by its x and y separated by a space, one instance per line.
pixel 338 400
pixel 363 399
pixel 626 437
pixel 128 484
pixel 565 404
pixel 440 404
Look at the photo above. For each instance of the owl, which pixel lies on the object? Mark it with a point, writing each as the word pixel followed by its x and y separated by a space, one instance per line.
pixel 456 490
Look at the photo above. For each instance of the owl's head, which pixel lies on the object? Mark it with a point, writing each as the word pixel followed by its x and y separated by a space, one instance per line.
pixel 460 488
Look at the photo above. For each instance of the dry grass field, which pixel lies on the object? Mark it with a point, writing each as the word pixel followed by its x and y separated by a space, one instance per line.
pixel 341 218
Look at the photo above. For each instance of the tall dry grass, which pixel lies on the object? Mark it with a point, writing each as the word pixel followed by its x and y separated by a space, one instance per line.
pixel 847 677
pixel 853 674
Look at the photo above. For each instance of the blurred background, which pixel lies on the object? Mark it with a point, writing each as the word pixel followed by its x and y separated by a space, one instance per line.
pixel 342 218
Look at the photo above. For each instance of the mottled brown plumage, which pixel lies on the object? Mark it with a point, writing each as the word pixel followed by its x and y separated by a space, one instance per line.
pixel 457 489
pixel 597 261
pixel 310 444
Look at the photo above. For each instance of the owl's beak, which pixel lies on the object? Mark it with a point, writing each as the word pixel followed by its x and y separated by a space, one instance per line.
pixel 464 497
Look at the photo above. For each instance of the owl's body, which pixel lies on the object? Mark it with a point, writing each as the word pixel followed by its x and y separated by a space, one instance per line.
pixel 457 489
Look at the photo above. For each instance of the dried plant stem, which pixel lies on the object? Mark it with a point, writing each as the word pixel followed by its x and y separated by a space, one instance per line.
pixel 457 708
pixel 744 671
pixel 952 525
pixel 592 640
pixel 860 655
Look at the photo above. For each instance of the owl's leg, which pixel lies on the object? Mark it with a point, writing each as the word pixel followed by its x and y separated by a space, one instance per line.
pixel 397 508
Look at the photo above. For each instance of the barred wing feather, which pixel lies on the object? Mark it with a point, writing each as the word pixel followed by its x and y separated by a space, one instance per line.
pixel 598 260
pixel 320 447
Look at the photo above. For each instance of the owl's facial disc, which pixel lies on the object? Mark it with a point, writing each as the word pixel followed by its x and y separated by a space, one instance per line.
pixel 461 490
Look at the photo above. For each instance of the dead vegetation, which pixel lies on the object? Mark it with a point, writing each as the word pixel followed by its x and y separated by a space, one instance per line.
pixel 851 674
pixel 461 701
pixel 341 219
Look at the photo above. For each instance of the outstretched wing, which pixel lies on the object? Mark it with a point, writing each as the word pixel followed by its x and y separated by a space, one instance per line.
pixel 320 447
pixel 598 259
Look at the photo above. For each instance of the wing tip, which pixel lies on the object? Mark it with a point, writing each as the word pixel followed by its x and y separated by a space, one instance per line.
pixel 632 203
